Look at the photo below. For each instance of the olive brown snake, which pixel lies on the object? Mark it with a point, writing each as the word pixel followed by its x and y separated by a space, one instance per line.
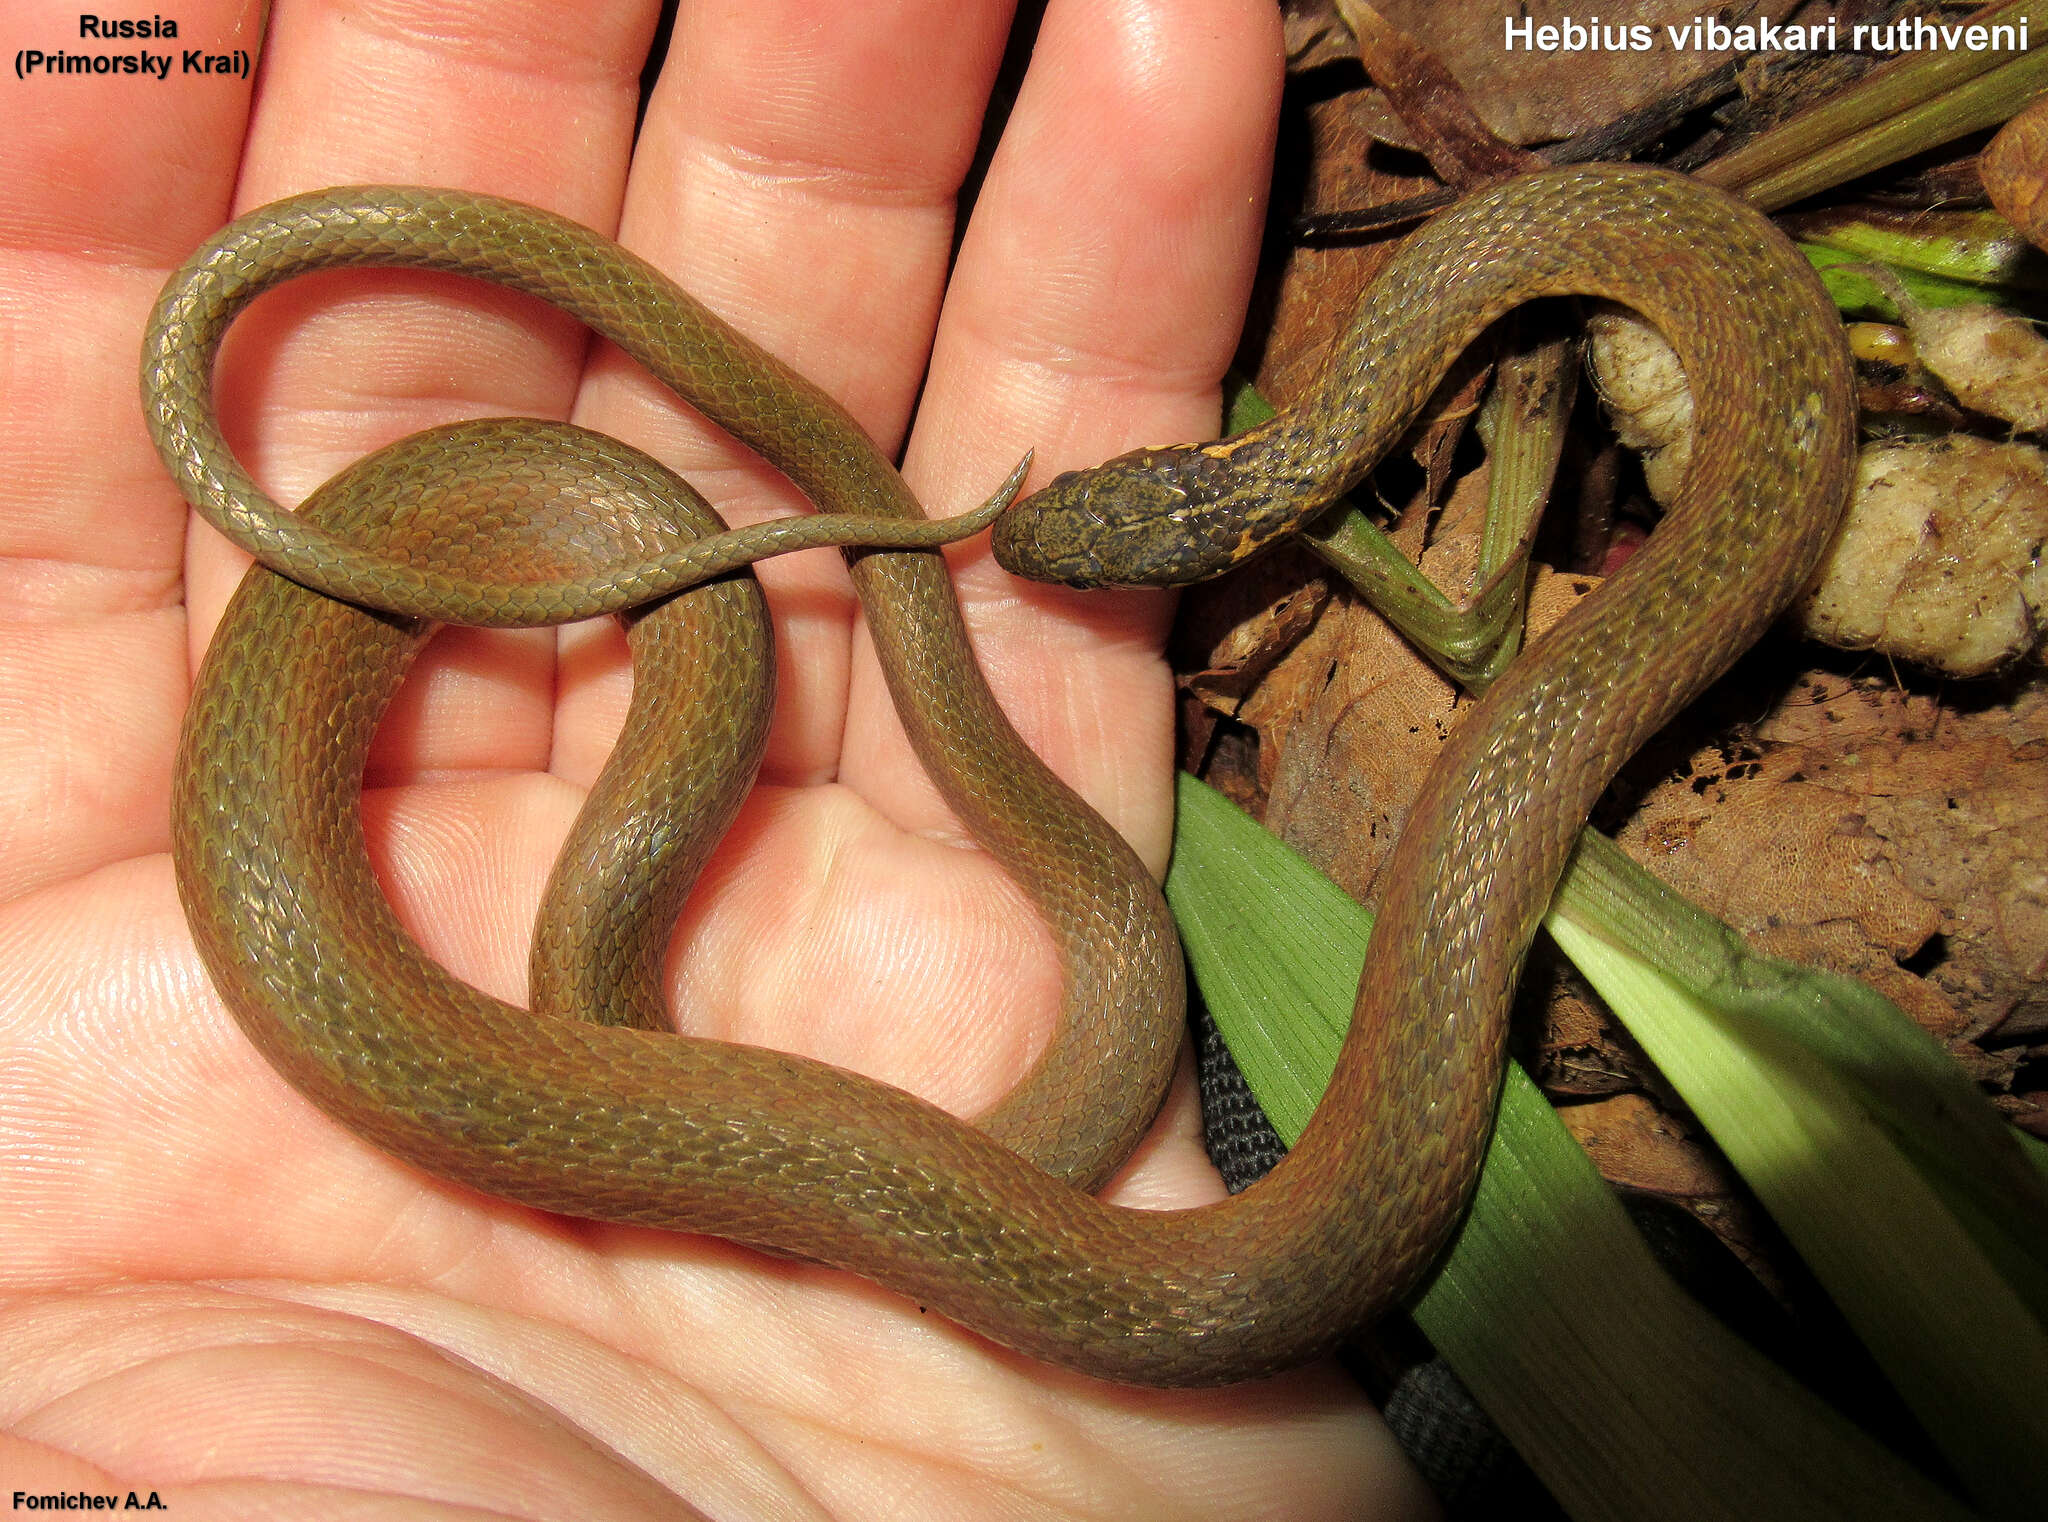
pixel 589 1106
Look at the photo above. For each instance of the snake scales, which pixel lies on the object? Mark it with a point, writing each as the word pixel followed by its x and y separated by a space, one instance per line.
pixel 587 1106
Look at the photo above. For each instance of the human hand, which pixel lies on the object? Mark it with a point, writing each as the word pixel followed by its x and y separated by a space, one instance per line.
pixel 211 1288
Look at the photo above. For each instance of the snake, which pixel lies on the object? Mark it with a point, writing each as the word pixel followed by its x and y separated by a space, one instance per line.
pixel 590 1104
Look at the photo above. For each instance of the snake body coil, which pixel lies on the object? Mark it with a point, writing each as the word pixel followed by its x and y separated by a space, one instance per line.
pixel 628 1124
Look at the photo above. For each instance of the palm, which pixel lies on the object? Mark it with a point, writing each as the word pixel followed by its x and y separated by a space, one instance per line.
pixel 190 1248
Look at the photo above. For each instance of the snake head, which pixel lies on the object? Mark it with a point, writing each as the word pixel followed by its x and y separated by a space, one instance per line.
pixel 1145 519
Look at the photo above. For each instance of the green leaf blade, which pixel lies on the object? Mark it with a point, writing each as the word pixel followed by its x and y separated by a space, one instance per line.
pixel 1625 1397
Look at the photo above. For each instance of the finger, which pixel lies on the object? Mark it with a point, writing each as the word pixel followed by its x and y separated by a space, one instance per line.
pixel 808 198
pixel 529 100
pixel 94 206
pixel 523 99
pixel 1097 301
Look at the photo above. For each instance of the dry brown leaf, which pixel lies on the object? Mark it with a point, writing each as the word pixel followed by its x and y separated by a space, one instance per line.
pixel 1436 112
pixel 1311 305
pixel 1252 648
pixel 1351 720
pixel 1638 1146
pixel 2014 170
pixel 1348 723
pixel 1532 97
pixel 1885 835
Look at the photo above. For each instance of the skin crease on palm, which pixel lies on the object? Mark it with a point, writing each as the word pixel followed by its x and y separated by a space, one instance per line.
pixel 209 1290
